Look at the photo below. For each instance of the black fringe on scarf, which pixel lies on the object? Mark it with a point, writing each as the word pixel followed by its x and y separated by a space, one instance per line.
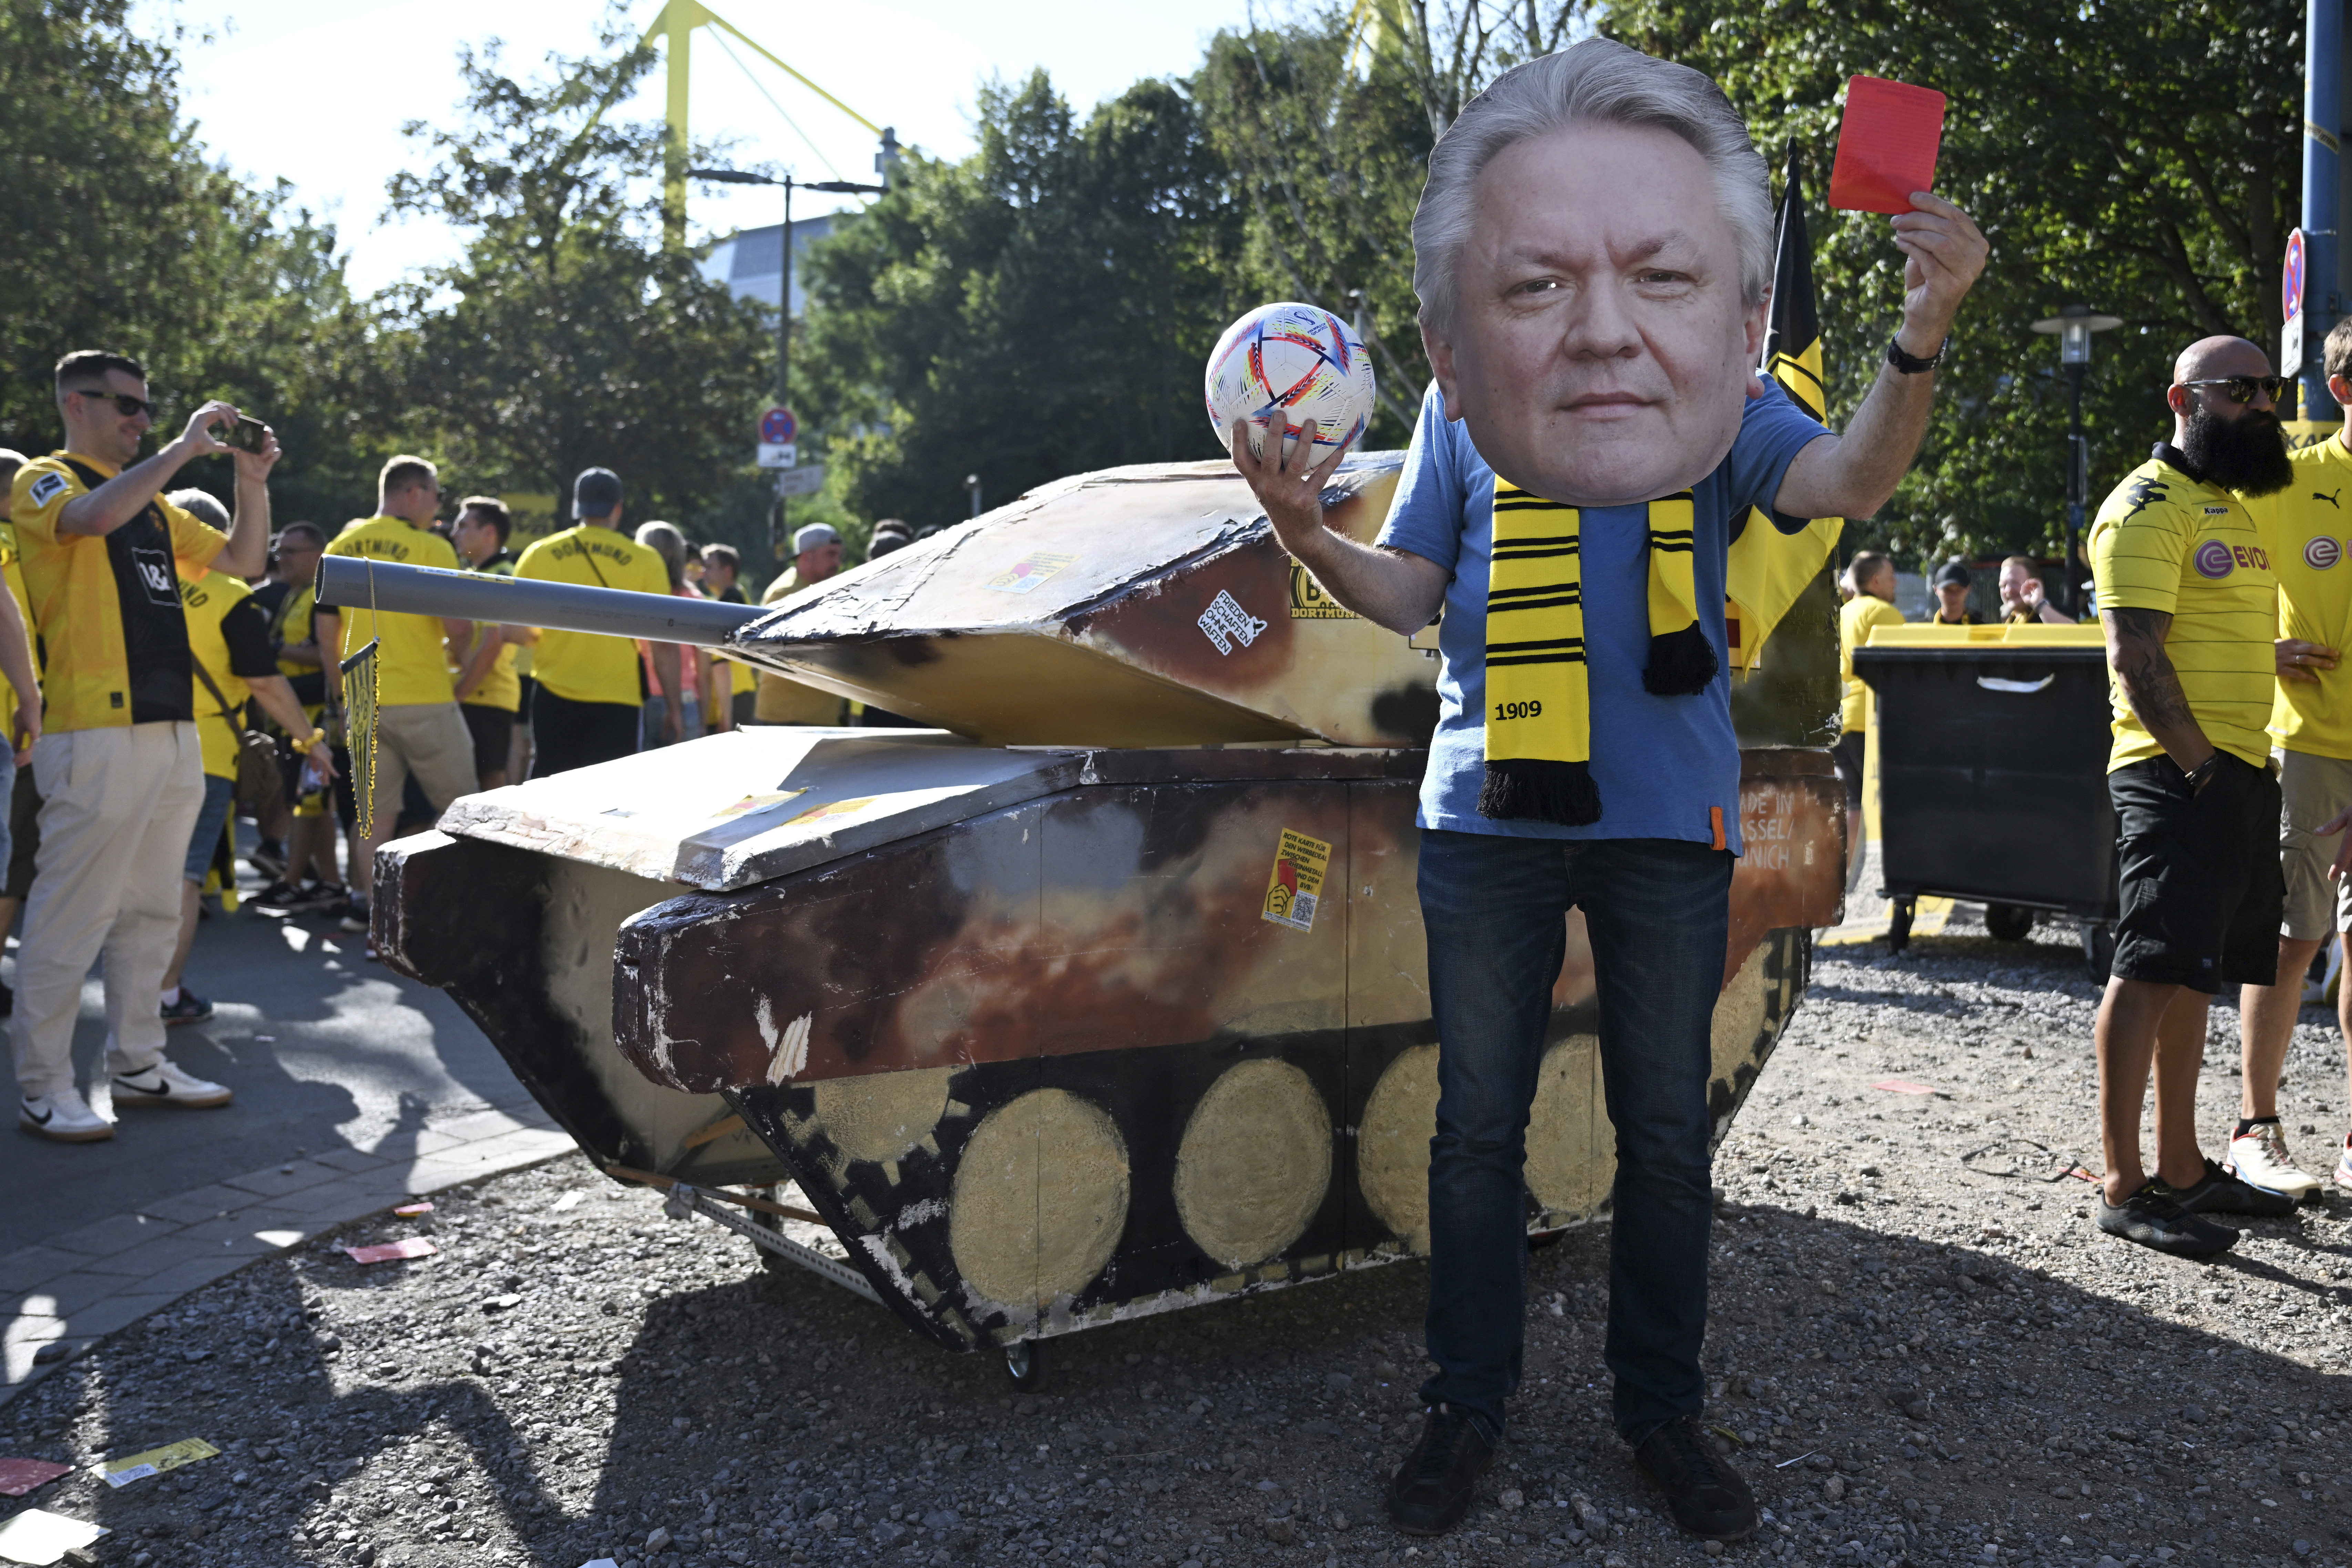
pixel 1681 663
pixel 1539 790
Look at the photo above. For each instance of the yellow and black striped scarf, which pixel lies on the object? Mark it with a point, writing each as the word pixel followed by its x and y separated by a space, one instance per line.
pixel 1539 712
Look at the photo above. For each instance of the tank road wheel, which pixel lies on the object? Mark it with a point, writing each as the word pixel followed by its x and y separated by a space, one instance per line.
pixel 2009 922
pixel 1898 926
pixel 1024 1365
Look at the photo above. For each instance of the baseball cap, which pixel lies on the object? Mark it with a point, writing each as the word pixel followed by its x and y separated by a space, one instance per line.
pixel 815 536
pixel 596 492
pixel 1952 572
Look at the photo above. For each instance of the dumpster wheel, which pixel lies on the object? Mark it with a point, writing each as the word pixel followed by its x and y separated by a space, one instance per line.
pixel 2098 948
pixel 2009 922
pixel 1898 925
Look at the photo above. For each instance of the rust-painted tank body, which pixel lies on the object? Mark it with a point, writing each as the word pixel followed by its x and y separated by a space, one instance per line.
pixel 1110 999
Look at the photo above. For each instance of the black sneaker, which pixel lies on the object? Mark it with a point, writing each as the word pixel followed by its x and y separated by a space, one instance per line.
pixel 1706 1495
pixel 2221 1192
pixel 190 1008
pixel 313 897
pixel 1432 1489
pixel 2152 1217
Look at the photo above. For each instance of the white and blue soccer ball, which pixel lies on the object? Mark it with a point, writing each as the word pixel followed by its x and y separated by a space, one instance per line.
pixel 1293 362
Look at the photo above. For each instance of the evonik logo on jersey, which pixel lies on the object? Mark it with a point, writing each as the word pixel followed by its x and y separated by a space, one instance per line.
pixel 2216 560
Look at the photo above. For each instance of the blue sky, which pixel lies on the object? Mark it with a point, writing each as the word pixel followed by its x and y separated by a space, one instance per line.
pixel 316 94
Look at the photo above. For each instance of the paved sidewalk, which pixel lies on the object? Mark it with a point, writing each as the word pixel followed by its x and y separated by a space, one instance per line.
pixel 355 1089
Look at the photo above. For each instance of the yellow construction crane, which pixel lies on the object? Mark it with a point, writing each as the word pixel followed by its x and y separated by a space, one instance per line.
pixel 676 26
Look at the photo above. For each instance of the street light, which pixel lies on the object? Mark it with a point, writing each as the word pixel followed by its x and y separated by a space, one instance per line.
pixel 2073 327
pixel 785 288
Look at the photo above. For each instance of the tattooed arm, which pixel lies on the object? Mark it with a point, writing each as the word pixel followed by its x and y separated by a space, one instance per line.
pixel 2136 653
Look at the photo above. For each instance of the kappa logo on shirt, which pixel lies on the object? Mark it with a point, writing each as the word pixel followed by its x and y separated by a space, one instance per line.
pixel 48 487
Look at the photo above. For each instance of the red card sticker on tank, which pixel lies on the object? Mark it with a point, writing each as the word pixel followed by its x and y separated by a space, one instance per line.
pixel 1296 888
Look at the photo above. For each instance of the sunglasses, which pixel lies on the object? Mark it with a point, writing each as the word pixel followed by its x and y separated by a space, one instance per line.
pixel 2242 388
pixel 126 405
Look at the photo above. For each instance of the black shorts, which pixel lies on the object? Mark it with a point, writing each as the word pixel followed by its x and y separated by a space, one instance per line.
pixel 493 732
pixel 565 734
pixel 2202 892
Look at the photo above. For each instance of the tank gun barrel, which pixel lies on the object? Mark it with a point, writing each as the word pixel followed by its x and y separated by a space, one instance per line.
pixel 354 582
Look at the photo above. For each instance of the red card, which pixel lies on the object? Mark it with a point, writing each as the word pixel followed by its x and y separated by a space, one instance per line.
pixel 19 1476
pixel 1886 145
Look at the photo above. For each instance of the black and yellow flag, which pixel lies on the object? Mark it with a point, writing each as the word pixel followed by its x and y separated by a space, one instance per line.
pixel 1768 569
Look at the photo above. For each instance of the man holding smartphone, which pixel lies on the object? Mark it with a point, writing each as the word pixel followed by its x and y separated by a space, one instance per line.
pixel 120 768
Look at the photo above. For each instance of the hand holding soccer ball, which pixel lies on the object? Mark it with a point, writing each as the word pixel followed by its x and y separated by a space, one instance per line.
pixel 1291 363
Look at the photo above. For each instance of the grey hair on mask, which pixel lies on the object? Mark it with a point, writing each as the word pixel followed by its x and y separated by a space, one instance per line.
pixel 1596 82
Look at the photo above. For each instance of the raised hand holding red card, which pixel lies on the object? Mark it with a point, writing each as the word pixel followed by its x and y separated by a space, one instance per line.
pixel 1886 145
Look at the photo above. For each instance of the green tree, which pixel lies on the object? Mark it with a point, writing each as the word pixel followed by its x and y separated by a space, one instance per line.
pixel 1041 308
pixel 567 337
pixel 122 236
pixel 2139 156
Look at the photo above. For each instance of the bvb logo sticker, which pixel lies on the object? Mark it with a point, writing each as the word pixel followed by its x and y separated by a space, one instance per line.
pixel 2212 559
pixel 2322 552
pixel 1296 888
pixel 1308 602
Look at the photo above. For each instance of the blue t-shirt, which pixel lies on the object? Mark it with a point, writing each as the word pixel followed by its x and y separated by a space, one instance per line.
pixel 1660 763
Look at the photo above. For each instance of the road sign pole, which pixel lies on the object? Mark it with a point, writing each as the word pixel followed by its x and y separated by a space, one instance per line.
pixel 2323 105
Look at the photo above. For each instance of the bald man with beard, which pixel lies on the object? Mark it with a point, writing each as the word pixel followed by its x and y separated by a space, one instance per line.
pixel 2190 607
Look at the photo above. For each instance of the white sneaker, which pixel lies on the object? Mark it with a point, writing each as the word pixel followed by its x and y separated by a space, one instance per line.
pixel 2260 1158
pixel 164 1084
pixel 63 1118
pixel 2343 1166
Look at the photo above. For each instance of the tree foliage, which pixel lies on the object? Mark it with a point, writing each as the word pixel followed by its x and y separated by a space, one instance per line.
pixel 1041 308
pixel 122 236
pixel 566 337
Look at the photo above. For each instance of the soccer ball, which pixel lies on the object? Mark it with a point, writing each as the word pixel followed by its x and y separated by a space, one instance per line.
pixel 1297 362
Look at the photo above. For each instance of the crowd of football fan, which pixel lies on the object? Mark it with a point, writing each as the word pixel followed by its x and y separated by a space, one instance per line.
pixel 168 670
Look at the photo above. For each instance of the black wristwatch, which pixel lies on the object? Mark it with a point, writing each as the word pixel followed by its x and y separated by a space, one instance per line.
pixel 1912 364
pixel 2202 774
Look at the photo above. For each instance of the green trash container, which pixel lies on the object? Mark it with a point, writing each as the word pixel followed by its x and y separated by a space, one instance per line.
pixel 1992 775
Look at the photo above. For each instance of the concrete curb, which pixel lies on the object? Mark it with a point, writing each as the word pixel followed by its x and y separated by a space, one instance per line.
pixel 64 1295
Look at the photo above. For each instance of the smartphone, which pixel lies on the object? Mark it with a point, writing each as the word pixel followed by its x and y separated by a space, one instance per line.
pixel 245 436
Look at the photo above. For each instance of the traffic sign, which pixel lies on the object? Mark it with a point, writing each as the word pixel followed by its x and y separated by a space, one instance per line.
pixel 801 481
pixel 778 427
pixel 2290 277
pixel 778 454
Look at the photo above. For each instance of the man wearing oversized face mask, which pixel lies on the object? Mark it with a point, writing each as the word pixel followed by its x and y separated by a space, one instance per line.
pixel 1592 252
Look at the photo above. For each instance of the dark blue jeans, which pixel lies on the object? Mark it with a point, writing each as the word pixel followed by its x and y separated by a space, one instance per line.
pixel 1657 911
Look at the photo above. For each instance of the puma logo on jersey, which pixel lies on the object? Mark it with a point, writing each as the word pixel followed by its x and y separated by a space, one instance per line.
pixel 2331 500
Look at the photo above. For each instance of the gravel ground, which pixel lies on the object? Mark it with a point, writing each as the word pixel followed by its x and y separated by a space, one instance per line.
pixel 1922 1351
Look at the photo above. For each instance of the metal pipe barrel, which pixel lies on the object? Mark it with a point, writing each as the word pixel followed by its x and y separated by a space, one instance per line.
pixel 349 582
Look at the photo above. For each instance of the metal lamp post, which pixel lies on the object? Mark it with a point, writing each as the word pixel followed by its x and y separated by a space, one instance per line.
pixel 2073 327
pixel 784 287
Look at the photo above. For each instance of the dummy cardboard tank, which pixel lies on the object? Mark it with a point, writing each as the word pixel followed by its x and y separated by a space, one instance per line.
pixel 1109 995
